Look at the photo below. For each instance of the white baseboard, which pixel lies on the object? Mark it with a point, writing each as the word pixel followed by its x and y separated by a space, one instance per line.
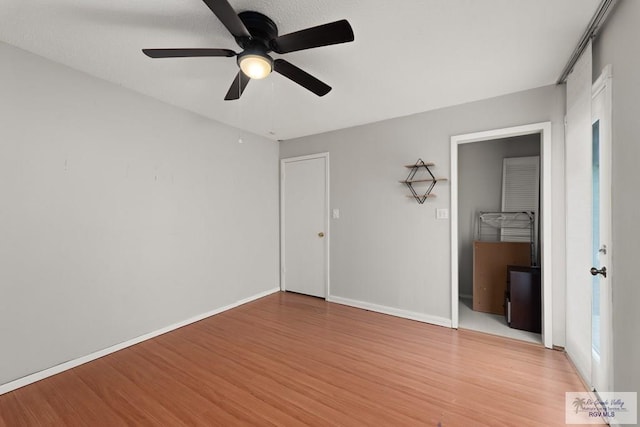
pixel 29 379
pixel 425 318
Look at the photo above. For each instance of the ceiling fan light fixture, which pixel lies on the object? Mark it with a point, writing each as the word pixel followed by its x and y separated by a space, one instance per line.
pixel 257 35
pixel 256 65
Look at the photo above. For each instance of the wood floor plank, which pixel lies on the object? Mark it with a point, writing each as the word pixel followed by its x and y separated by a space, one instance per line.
pixel 289 360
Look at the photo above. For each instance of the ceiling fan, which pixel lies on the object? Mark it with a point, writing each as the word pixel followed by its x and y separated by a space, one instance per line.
pixel 257 35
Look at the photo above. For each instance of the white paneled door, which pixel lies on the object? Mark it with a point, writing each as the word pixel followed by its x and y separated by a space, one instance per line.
pixel 600 283
pixel 304 224
pixel 578 211
pixel 589 246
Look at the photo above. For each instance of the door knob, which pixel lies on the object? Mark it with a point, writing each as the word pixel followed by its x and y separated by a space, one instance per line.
pixel 594 271
pixel 321 234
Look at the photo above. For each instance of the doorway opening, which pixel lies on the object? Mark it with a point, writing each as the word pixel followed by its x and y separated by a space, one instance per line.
pixel 495 176
pixel 528 140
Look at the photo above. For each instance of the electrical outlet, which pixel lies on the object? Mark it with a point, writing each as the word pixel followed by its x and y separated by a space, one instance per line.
pixel 442 213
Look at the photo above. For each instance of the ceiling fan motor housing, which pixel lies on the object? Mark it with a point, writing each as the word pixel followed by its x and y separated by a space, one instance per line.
pixel 261 28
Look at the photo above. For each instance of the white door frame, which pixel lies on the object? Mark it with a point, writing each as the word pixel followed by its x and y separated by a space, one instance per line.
pixel 283 162
pixel 544 129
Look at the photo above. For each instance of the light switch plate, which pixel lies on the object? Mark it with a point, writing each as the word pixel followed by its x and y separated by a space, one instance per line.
pixel 336 213
pixel 442 213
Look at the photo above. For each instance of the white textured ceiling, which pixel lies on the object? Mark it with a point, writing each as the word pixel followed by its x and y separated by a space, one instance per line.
pixel 408 56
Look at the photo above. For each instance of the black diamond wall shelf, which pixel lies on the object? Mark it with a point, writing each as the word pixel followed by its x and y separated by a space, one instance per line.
pixel 420 176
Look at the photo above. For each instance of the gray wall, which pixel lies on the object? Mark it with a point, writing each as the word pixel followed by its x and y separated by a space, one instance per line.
pixel 120 215
pixel 480 189
pixel 616 45
pixel 385 248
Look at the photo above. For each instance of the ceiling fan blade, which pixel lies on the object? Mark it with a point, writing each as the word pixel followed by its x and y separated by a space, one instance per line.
pixel 237 87
pixel 185 53
pixel 301 77
pixel 322 35
pixel 229 18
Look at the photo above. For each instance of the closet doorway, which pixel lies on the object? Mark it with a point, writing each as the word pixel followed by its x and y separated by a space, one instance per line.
pixel 490 227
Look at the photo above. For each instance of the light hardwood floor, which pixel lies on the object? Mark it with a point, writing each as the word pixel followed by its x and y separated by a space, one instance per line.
pixel 291 360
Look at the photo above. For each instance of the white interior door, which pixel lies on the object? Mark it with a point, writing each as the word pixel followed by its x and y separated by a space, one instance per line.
pixel 578 209
pixel 304 227
pixel 601 322
pixel 521 193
